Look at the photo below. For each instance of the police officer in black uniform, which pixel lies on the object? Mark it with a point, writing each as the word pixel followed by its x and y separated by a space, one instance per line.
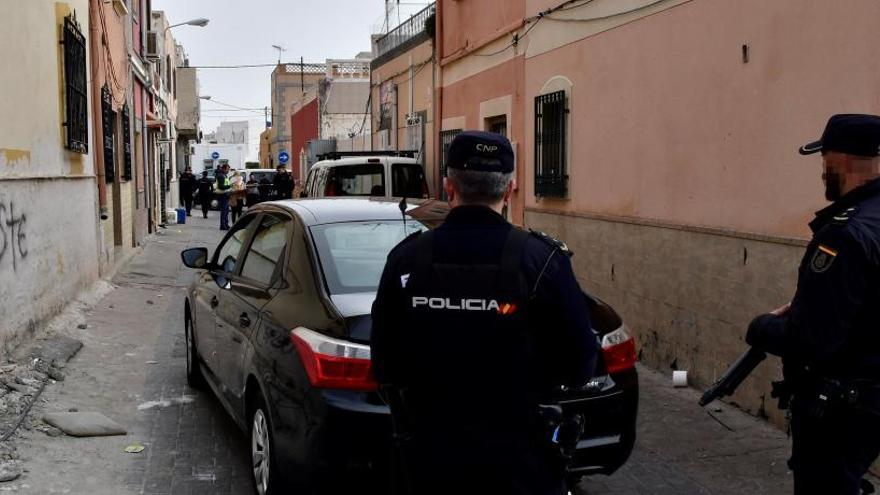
pixel 829 336
pixel 474 324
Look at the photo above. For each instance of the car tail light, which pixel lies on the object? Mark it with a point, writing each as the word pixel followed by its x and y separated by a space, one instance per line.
pixel 619 350
pixel 333 363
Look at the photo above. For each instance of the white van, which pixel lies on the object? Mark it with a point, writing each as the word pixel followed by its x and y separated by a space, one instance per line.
pixel 382 175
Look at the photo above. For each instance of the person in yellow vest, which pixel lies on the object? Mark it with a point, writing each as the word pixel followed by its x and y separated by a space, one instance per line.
pixel 224 188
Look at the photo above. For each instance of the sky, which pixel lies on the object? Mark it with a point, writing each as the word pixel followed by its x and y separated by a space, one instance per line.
pixel 243 31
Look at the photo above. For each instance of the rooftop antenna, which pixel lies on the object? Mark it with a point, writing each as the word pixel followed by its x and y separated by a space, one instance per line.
pixel 280 49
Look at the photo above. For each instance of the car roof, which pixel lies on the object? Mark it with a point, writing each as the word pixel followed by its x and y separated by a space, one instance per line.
pixel 319 211
pixel 360 160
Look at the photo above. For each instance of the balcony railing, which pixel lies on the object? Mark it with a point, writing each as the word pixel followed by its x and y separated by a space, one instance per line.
pixel 405 32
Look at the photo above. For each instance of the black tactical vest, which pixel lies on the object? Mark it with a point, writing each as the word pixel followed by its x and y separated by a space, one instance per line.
pixel 470 362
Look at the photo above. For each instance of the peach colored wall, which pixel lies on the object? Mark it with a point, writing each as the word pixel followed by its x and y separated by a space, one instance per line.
pixel 474 21
pixel 114 48
pixel 463 99
pixel 397 69
pixel 668 123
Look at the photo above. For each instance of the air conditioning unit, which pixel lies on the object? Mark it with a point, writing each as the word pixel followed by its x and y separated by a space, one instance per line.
pixel 152 51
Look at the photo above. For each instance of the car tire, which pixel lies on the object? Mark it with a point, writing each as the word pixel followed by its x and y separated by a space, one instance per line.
pixel 194 376
pixel 267 478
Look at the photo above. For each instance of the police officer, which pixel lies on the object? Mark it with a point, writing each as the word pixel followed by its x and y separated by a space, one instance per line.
pixel 206 193
pixel 474 323
pixel 829 335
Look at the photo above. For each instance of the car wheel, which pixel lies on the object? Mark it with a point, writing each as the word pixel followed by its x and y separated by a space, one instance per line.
pixel 194 376
pixel 266 477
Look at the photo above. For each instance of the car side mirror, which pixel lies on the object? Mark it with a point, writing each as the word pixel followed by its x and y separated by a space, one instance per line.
pixel 195 257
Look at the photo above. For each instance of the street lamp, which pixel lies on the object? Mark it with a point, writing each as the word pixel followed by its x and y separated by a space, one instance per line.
pixel 200 22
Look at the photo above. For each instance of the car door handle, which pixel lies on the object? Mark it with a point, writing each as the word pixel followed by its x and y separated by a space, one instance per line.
pixel 243 320
pixel 214 302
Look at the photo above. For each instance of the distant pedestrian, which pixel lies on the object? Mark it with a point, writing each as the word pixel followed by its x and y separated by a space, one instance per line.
pixel 253 193
pixel 205 192
pixel 283 183
pixel 186 184
pixel 236 197
pixel 224 188
pixel 265 189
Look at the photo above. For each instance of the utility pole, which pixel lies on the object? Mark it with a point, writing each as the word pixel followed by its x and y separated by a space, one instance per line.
pixel 266 116
pixel 302 77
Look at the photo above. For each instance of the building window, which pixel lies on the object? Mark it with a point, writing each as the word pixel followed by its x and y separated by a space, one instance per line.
pixel 108 124
pixel 446 138
pixel 551 176
pixel 126 144
pixel 76 101
pixel 497 125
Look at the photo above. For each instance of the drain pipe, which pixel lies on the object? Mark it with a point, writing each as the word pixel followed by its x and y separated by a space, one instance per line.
pixel 96 38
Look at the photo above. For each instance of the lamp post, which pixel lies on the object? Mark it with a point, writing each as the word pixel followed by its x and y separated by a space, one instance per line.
pixel 200 22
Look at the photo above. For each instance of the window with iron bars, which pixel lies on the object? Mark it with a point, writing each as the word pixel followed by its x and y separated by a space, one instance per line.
pixel 551 115
pixel 76 102
pixel 446 138
pixel 126 144
pixel 108 125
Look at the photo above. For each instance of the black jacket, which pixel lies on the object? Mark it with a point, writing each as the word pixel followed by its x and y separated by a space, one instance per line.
pixel 475 376
pixel 833 326
pixel 186 184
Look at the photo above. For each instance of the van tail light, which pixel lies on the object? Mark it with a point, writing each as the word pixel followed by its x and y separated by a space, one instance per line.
pixel 334 363
pixel 619 350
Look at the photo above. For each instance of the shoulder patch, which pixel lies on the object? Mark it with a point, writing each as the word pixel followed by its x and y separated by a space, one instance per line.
pixel 822 259
pixel 844 216
pixel 552 241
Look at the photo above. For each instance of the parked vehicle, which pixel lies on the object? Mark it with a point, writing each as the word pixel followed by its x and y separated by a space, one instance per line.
pixel 277 323
pixel 377 175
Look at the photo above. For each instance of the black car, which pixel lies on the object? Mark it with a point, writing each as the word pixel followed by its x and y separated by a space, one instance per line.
pixel 277 322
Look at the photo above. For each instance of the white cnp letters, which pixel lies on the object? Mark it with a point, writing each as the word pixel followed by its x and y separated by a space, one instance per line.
pixel 485 148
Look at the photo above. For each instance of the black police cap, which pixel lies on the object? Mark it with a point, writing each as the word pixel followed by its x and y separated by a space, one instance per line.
pixel 480 151
pixel 851 133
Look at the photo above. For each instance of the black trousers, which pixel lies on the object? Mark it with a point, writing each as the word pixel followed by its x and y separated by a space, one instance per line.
pixel 831 455
pixel 187 203
pixel 205 201
pixel 237 210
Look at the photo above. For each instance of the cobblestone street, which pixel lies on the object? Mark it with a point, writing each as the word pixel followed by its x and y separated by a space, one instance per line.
pixel 132 369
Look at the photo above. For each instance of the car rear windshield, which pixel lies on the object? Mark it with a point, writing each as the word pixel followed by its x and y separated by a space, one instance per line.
pixel 367 179
pixel 408 180
pixel 258 176
pixel 352 255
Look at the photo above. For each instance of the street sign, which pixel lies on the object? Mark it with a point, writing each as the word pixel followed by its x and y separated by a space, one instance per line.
pixel 283 157
pixel 215 155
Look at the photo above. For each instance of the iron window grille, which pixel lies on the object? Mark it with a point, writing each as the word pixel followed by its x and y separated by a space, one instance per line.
pixel 446 138
pixel 126 144
pixel 108 125
pixel 76 101
pixel 551 176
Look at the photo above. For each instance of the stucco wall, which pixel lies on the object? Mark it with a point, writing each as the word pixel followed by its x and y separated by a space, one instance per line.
pixel 48 205
pixel 687 294
pixel 498 91
pixel 668 122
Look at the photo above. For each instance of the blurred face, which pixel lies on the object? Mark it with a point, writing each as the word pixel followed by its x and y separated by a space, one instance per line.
pixel 834 168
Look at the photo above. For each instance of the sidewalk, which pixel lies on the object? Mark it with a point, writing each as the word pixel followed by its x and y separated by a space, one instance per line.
pixel 682 448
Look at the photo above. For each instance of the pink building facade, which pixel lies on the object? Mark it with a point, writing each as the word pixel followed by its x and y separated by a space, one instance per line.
pixel 685 199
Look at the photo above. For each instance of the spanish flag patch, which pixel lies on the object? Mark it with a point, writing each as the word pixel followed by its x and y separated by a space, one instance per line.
pixel 823 259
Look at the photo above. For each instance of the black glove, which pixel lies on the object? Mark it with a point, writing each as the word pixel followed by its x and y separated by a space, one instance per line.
pixel 767 332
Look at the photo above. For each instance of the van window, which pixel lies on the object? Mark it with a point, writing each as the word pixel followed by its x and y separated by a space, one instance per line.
pixel 408 180
pixel 367 179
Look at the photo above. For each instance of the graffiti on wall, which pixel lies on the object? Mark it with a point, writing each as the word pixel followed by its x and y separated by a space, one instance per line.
pixel 13 236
